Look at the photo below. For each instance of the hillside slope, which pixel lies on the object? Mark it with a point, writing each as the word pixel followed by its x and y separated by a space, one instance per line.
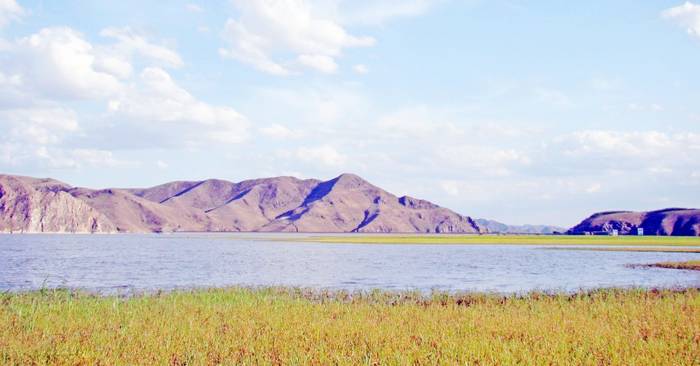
pixel 346 203
pixel 670 221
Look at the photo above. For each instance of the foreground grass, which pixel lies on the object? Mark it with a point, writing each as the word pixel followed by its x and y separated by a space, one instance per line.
pixel 510 239
pixel 692 265
pixel 276 326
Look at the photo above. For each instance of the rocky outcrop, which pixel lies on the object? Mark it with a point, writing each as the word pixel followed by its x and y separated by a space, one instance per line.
pixel 347 203
pixel 670 221
pixel 43 205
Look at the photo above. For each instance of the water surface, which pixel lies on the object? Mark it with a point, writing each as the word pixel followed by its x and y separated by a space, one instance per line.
pixel 135 263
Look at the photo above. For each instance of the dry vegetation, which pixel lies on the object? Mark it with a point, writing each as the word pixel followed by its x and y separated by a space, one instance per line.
pixel 288 326
pixel 509 239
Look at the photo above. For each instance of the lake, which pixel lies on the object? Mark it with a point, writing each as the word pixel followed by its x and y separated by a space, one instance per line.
pixel 123 264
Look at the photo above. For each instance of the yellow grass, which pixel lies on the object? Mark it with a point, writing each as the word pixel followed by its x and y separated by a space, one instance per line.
pixel 633 249
pixel 278 326
pixel 509 239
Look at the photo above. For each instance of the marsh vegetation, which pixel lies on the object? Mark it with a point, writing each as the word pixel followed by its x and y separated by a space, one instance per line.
pixel 293 326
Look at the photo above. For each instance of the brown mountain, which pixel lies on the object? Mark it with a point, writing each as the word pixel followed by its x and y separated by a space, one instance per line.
pixel 670 221
pixel 343 204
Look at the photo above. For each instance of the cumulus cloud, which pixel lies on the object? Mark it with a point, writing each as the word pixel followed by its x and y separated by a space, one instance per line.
pixel 130 42
pixel 379 12
pixel 652 152
pixel 686 15
pixel 322 155
pixel 322 63
pixel 267 32
pixel 44 76
pixel 481 159
pixel 360 69
pixel 278 131
pixel 60 63
pixel 420 122
pixel 635 144
pixel 38 126
pixel 157 98
pixel 9 11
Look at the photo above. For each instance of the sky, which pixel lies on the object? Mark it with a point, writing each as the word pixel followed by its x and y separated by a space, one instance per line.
pixel 538 112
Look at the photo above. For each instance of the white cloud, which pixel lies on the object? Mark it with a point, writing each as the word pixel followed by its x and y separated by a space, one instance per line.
pixel 378 12
pixel 59 63
pixel 95 157
pixel 38 126
pixel 419 122
pixel 280 132
pixel 9 11
pixel 636 144
pixel 194 8
pixel 652 152
pixel 450 187
pixel 594 188
pixel 161 164
pixel 360 69
pixel 44 72
pixel 269 31
pixel 481 159
pixel 686 16
pixel 56 157
pixel 158 99
pixel 321 63
pixel 653 107
pixel 129 42
pixel 314 105
pixel 324 155
pixel 553 97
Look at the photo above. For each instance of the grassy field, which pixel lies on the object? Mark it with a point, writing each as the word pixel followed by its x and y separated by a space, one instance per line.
pixel 287 326
pixel 510 239
pixel 602 248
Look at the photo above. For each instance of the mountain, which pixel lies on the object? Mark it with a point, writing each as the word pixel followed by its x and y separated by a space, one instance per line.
pixel 501 228
pixel 670 221
pixel 346 203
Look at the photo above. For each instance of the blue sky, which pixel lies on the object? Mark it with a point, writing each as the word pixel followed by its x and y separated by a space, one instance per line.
pixel 524 112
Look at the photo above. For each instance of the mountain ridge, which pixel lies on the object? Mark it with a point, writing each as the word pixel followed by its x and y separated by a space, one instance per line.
pixel 346 203
pixel 496 227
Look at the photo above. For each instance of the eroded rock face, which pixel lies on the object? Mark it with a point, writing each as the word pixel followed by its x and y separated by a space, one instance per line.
pixel 670 221
pixel 28 205
pixel 347 203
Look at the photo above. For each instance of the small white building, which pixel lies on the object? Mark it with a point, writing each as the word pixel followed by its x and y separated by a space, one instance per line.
pixel 640 231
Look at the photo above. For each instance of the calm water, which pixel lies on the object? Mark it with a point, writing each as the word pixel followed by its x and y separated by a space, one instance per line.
pixel 126 263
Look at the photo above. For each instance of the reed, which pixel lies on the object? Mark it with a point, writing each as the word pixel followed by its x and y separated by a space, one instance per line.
pixel 296 326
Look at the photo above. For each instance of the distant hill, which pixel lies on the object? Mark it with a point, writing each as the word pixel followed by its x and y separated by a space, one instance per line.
pixel 670 221
pixel 346 203
pixel 501 228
